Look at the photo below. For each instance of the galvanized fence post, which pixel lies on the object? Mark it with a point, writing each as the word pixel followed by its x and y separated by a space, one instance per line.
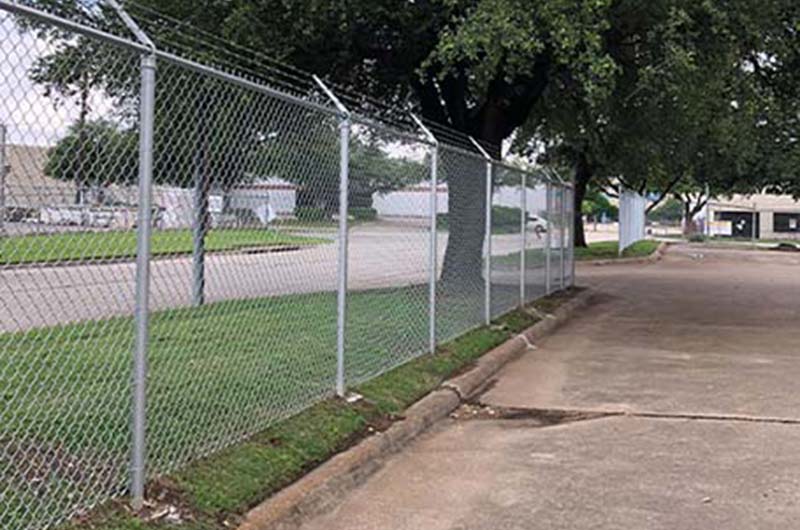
pixel 433 249
pixel 198 239
pixel 344 186
pixel 143 234
pixel 487 269
pixel 199 209
pixel 548 240
pixel 3 170
pixel 523 236
pixel 574 211
pixel 563 234
pixel 488 263
pixel 144 227
pixel 432 221
pixel 434 252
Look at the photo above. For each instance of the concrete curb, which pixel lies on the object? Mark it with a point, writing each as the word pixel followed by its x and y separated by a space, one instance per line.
pixel 321 490
pixel 657 254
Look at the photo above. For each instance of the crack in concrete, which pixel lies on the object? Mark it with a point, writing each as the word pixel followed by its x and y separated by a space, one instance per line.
pixel 555 416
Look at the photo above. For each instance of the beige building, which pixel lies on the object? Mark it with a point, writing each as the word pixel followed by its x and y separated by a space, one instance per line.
pixel 774 216
pixel 26 185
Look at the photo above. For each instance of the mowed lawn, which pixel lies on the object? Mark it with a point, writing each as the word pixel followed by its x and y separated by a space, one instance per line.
pixel 216 374
pixel 81 246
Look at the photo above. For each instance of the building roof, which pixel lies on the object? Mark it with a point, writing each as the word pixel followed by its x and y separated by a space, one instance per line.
pixel 761 201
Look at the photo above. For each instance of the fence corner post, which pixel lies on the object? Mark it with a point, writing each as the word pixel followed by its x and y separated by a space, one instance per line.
pixel 141 312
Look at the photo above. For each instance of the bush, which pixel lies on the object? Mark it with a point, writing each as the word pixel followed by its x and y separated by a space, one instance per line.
pixel 363 214
pixel 697 238
pixel 311 213
pixel 505 220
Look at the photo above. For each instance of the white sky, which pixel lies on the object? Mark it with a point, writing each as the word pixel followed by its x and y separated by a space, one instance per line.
pixel 30 117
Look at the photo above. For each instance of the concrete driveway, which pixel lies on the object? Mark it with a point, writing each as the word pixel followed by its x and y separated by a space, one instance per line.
pixel 672 403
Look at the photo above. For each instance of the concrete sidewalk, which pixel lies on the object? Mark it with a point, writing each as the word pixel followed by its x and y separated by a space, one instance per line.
pixel 690 371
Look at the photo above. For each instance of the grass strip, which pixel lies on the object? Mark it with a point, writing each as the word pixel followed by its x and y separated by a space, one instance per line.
pixel 215 492
pixel 610 250
pixel 86 246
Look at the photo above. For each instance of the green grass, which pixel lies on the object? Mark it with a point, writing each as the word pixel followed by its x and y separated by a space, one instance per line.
pixel 533 257
pixel 80 246
pixel 216 374
pixel 610 250
pixel 224 486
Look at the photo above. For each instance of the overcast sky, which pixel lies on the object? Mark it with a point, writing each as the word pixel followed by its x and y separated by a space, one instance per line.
pixel 30 117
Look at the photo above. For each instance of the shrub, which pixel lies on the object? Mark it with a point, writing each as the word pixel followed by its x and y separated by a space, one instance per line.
pixel 697 238
pixel 311 213
pixel 505 219
pixel 363 214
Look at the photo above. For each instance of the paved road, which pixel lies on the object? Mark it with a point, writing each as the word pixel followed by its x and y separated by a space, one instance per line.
pixel 381 255
pixel 691 369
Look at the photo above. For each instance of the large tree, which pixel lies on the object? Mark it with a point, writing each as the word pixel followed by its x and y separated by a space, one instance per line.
pixel 478 67
pixel 611 85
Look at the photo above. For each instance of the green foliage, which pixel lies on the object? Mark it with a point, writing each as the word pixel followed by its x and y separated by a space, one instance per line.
pixel 96 153
pixel 670 211
pixel 311 213
pixel 506 219
pixel 596 204
pixel 363 214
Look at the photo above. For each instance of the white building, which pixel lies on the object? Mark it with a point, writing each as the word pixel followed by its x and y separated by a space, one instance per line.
pixel 413 201
pixel 774 216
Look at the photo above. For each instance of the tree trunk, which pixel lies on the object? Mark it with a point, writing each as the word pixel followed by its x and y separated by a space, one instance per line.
pixel 463 259
pixel 583 174
pixel 688 226
pixel 466 185
pixel 506 107
pixel 80 180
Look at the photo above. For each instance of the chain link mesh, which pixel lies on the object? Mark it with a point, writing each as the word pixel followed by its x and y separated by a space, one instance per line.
pixel 243 286
pixel 460 294
pixel 65 288
pixel 387 317
pixel 507 239
pixel 535 236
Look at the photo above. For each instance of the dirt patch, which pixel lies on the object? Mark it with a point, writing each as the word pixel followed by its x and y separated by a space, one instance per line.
pixel 532 417
pixel 786 247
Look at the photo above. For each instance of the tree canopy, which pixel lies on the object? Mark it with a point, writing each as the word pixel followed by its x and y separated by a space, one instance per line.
pixel 654 95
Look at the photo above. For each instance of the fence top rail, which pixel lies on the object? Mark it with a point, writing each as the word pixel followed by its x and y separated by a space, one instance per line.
pixel 369 122
pixel 461 151
pixel 20 10
pixel 540 174
pixel 41 16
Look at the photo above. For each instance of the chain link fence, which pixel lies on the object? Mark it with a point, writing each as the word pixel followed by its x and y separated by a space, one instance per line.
pixel 188 255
